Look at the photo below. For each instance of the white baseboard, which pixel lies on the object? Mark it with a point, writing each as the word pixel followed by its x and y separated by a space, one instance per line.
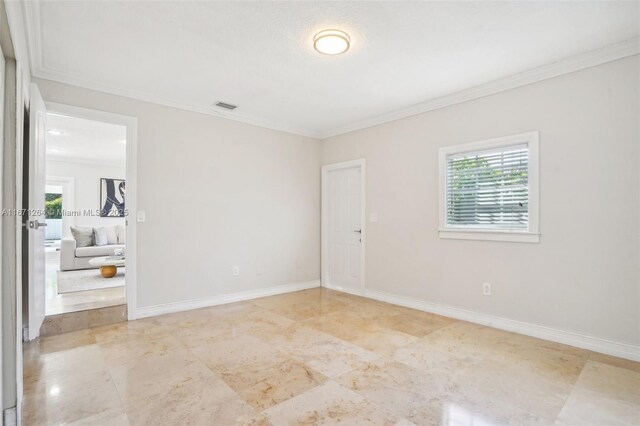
pixel 151 311
pixel 341 289
pixel 596 344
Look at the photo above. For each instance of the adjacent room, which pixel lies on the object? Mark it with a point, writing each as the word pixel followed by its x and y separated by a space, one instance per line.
pixel 320 212
pixel 85 192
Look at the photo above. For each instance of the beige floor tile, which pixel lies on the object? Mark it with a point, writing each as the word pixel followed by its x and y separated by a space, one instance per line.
pixel 292 337
pixel 68 363
pixel 205 334
pixel 299 308
pixel 116 417
pixel 142 379
pixel 332 356
pixel 265 386
pixel 57 343
pixel 470 343
pixel 372 310
pixel 327 404
pixel 424 355
pixel 416 395
pixel 69 397
pixel 317 357
pixel 361 332
pixel 506 393
pixel 116 352
pixel 184 319
pixel 603 395
pixel 415 323
pixel 461 340
pixel 243 351
pixel 257 420
pixel 202 401
pixel 542 361
pixel 262 324
pixel 616 362
pixel 130 331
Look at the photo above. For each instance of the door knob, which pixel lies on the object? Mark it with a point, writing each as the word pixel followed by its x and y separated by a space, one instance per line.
pixel 359 231
pixel 34 224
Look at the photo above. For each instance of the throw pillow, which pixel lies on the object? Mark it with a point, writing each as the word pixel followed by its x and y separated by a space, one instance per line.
pixel 112 234
pixel 82 235
pixel 100 236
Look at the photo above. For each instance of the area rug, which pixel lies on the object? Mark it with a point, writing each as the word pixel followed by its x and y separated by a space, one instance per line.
pixel 87 279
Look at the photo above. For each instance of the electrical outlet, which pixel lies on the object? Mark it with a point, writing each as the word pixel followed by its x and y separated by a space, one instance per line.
pixel 486 289
pixel 236 271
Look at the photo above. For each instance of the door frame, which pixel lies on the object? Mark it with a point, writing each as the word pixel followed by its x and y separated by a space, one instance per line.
pixel 131 123
pixel 324 246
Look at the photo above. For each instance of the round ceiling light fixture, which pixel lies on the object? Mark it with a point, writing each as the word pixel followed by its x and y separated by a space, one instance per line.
pixel 331 42
pixel 55 132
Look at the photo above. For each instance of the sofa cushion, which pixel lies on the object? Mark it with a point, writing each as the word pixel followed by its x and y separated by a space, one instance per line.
pixel 112 234
pixel 100 236
pixel 96 251
pixel 83 236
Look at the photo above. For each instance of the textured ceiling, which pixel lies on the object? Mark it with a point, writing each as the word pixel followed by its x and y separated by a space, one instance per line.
pixel 259 55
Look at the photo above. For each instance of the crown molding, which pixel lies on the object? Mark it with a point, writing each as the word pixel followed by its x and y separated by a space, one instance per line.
pixel 19 39
pixel 71 80
pixel 33 23
pixel 568 65
pixel 33 27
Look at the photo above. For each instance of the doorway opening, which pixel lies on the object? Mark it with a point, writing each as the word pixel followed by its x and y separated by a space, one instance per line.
pixel 79 185
pixel 85 237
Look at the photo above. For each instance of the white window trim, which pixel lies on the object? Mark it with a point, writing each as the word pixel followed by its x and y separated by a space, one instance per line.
pixel 532 234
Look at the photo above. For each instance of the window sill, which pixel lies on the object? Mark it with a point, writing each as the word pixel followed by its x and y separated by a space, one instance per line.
pixel 477 234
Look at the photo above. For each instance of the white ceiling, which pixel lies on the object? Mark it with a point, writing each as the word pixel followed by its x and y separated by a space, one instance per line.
pixel 85 140
pixel 259 55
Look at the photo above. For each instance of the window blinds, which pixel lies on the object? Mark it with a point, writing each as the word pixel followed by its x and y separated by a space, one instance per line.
pixel 488 189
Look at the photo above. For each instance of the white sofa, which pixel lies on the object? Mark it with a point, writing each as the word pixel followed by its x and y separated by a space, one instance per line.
pixel 72 257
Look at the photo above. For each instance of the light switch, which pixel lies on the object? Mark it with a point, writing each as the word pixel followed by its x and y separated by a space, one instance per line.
pixel 373 217
pixel 142 216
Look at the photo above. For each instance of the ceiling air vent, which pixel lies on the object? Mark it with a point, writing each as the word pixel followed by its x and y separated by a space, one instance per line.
pixel 226 105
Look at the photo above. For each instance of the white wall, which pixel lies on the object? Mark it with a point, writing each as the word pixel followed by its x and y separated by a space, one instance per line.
pixel 584 275
pixel 217 193
pixel 87 189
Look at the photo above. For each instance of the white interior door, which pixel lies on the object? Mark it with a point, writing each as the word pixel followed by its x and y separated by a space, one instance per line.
pixel 344 228
pixel 36 222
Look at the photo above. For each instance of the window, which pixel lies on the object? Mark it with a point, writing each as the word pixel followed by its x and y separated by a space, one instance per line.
pixel 489 190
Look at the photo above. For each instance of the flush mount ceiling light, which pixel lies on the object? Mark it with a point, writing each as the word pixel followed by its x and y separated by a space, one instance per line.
pixel 55 132
pixel 331 42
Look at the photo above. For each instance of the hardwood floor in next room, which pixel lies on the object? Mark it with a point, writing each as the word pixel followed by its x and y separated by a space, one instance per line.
pixel 320 357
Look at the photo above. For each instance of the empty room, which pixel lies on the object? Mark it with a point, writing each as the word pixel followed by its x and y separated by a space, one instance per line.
pixel 336 212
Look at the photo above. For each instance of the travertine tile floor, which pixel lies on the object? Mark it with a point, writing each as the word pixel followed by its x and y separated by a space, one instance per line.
pixel 319 357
